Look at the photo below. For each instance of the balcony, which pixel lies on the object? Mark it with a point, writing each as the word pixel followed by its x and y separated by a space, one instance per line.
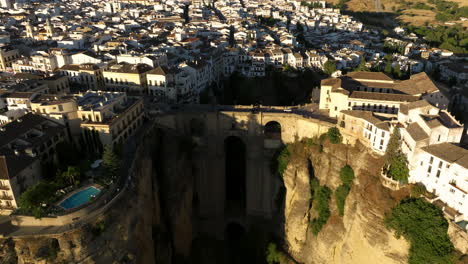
pixel 6 207
pixel 6 197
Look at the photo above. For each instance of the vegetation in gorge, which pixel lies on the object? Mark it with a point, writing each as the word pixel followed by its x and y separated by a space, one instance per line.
pixel 282 159
pixel 273 255
pixel 347 177
pixel 321 196
pixel 425 227
pixel 396 163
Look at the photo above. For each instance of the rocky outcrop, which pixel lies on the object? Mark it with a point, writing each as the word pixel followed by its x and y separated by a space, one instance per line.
pixel 360 235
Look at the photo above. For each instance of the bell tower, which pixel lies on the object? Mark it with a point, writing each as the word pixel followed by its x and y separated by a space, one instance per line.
pixel 49 29
pixel 29 30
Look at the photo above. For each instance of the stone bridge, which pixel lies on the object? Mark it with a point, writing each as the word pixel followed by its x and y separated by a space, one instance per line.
pixel 233 156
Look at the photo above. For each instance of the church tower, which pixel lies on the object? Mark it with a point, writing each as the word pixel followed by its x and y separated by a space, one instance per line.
pixel 49 29
pixel 29 30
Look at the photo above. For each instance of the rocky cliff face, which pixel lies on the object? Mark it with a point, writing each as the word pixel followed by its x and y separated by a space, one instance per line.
pixel 357 237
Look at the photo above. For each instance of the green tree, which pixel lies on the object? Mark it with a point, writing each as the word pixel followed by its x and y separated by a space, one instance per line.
pixel 334 135
pixel 396 72
pixel 388 67
pixel 71 175
pixel 329 67
pixel 35 196
pixel 398 169
pixel 362 66
pixel 396 163
pixel 347 175
pixel 299 27
pixel 425 227
pixel 110 161
pixel 393 146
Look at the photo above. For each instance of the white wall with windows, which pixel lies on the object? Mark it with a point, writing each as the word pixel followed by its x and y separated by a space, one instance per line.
pixel 446 179
pixel 378 137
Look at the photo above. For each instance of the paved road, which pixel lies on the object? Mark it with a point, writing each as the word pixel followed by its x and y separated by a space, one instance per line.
pixel 308 111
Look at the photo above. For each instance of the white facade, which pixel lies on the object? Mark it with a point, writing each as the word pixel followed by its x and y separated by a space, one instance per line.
pixel 378 137
pixel 443 169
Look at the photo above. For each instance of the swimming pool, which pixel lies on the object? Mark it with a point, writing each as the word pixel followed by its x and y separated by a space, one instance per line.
pixel 80 198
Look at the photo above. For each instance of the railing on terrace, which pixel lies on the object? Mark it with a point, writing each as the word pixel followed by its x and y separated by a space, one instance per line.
pixel 391 183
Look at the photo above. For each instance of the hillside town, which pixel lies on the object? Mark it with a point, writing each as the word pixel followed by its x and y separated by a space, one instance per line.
pixel 89 72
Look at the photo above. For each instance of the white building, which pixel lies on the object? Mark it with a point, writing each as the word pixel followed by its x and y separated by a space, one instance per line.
pixel 443 169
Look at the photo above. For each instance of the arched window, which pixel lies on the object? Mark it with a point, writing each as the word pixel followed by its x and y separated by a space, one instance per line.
pixel 272 130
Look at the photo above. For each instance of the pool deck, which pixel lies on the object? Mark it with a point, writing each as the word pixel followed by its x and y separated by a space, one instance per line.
pixel 97 186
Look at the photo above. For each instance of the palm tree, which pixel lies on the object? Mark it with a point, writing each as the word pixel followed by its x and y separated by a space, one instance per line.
pixel 71 174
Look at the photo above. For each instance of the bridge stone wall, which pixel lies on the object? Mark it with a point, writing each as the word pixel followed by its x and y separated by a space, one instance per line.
pixel 209 156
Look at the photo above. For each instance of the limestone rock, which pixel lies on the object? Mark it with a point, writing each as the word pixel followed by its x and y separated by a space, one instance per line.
pixel 360 235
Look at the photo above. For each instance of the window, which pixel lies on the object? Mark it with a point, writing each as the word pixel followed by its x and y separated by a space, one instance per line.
pixel 438 174
pixel 452 190
pixel 429 169
pixel 431 160
pixel 440 164
pixel 438 138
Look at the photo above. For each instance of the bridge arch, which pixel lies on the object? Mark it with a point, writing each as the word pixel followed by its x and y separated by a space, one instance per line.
pixel 272 130
pixel 235 174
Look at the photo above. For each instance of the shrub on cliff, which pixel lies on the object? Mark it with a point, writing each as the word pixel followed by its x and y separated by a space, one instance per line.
pixel 340 196
pixel 334 135
pixel 273 255
pixel 321 199
pixel 282 160
pixel 347 175
pixel 425 227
